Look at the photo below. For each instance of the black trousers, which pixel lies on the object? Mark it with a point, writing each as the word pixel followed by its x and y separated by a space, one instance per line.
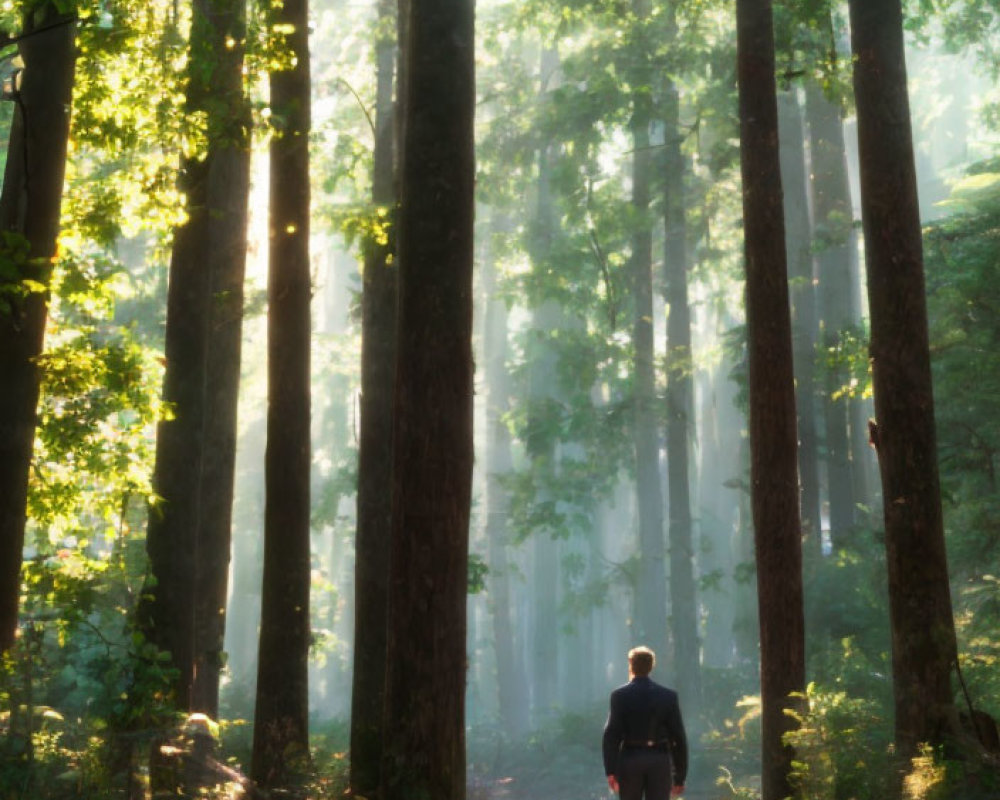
pixel 644 773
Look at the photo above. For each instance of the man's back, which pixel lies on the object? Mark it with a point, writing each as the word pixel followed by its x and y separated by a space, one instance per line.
pixel 648 711
pixel 645 715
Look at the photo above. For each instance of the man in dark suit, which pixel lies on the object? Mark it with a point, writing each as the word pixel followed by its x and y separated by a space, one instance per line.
pixel 645 748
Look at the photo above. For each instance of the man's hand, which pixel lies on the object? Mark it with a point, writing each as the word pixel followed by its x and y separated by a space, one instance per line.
pixel 613 783
pixel 677 791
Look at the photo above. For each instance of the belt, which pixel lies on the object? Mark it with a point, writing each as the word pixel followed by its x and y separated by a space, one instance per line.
pixel 647 744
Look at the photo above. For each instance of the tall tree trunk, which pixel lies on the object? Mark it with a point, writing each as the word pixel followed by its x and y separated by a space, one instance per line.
pixel 511 680
pixel 189 531
pixel 545 632
pixel 923 632
pixel 540 445
pixel 227 196
pixel 773 441
pixel 541 441
pixel 281 718
pixel 243 613
pixel 680 411
pixel 378 360
pixel 29 207
pixel 651 593
pixel 832 241
pixel 432 446
pixel 718 465
pixel 805 326
pixel 166 611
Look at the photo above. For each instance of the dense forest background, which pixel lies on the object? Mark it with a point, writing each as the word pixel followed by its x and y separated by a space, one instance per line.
pixel 243 285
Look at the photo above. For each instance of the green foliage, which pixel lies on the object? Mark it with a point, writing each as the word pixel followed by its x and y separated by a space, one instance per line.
pixel 811 39
pixel 329 744
pixel 847 609
pixel 963 300
pixel 848 362
pixel 842 747
pixel 728 748
pixel 127 99
pixel 82 690
pixel 99 403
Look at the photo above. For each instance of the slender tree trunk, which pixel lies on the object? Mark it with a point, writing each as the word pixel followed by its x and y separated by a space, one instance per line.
pixel 281 719
pixel 511 680
pixel 832 242
pixel 651 597
pixel 746 619
pixel 189 530
pixel 29 207
pixel 545 633
pixel 244 605
pixel 227 196
pixel 804 322
pixel 378 357
pixel 166 611
pixel 432 445
pixel 923 632
pixel 680 413
pixel 773 441
pixel 718 511
pixel 541 448
pixel 541 440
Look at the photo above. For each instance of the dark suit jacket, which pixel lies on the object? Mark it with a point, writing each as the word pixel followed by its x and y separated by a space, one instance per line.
pixel 642 711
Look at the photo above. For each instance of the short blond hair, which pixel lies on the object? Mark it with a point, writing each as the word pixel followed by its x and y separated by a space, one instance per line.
pixel 641 660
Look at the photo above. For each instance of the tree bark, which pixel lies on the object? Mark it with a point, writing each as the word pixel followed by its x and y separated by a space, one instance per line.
pixel 227 196
pixel 378 361
pixel 281 719
pixel 805 326
pixel 680 412
pixel 189 530
pixel 773 442
pixel 511 680
pixel 832 241
pixel 651 593
pixel 219 438
pixel 545 644
pixel 432 443
pixel 541 441
pixel 924 649
pixel 166 610
pixel 29 208
pixel 719 512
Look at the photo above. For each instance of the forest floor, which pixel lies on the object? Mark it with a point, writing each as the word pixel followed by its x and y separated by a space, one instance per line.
pixel 511 788
pixel 567 766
